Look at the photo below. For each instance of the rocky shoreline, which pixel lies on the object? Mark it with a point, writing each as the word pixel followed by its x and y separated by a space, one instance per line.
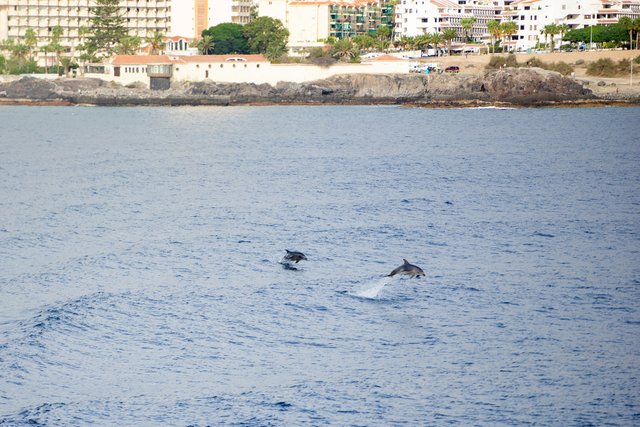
pixel 519 87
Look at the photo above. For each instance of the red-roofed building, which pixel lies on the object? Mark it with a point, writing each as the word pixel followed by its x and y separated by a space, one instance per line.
pixel 158 71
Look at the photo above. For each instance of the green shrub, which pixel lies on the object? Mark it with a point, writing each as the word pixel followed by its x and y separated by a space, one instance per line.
pixel 606 67
pixel 624 65
pixel 637 59
pixel 603 67
pixel 501 61
pixel 561 67
pixel 535 62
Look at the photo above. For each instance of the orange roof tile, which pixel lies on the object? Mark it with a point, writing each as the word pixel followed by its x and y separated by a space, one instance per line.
pixel 182 59
pixel 386 58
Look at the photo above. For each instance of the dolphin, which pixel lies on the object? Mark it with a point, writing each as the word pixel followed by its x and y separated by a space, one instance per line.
pixel 294 256
pixel 407 269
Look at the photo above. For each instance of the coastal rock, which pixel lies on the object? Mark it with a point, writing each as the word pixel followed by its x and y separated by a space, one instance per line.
pixel 531 85
pixel 30 88
pixel 521 86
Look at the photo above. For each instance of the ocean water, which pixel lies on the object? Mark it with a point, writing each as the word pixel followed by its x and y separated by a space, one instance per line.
pixel 142 282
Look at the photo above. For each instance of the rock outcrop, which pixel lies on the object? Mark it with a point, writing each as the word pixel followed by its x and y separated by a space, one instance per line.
pixel 520 86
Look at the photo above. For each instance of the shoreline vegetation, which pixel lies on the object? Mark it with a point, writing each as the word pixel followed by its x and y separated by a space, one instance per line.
pixel 480 83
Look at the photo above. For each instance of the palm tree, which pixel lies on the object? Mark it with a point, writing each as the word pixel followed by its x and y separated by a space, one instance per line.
pixel 54 44
pixel 562 29
pixel 344 49
pixel 204 45
pixel 636 28
pixel 128 45
pixel 436 39
pixel 404 42
pixel 627 23
pixel 19 51
pixel 383 33
pixel 448 34
pixel 508 29
pixel 30 40
pixel 156 41
pixel 494 30
pixel 422 41
pixel 551 30
pixel 467 25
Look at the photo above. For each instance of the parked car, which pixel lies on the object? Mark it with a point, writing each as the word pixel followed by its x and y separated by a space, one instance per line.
pixel 452 69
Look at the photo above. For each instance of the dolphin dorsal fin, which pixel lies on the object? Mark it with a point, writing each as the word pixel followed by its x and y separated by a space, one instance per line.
pixel 405 261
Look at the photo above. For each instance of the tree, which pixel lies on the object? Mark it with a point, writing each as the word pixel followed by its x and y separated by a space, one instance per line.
pixel 404 42
pixel 30 40
pixel 107 27
pixel 422 41
pixel 493 27
pixel 266 35
pixel 627 23
pixel 364 41
pixel 467 25
pixel 383 32
pixel 636 28
pixel 227 38
pixel 54 43
pixel 562 29
pixel 156 42
pixel 508 29
pixel 343 49
pixel 551 30
pixel 82 47
pixel 436 40
pixel 448 34
pixel 204 45
pixel 128 45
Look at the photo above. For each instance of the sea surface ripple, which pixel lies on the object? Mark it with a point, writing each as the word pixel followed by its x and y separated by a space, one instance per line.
pixel 141 280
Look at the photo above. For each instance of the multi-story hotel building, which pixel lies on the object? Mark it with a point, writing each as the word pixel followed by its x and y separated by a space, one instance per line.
pixel 142 17
pixel 532 16
pixel 311 22
pixel 417 17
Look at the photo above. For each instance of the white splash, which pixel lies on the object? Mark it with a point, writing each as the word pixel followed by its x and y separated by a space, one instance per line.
pixel 373 289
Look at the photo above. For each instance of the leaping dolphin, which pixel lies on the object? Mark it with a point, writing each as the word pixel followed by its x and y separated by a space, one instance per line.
pixel 294 256
pixel 407 269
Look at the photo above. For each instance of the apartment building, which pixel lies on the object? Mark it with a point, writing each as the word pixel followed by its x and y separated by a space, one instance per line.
pixel 143 17
pixel 311 22
pixel 417 17
pixel 532 16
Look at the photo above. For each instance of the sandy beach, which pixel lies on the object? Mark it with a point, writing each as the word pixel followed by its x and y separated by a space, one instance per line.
pixel 615 87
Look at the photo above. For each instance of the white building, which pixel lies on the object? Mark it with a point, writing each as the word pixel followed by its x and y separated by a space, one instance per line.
pixel 532 16
pixel 128 69
pixel 142 17
pixel 417 17
pixel 311 22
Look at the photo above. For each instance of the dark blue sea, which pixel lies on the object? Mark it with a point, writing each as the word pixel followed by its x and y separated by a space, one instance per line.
pixel 142 280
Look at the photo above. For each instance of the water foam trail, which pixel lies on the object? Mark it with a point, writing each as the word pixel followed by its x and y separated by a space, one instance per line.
pixel 373 289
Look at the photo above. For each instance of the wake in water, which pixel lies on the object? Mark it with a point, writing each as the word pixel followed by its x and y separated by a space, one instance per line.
pixel 288 265
pixel 373 288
